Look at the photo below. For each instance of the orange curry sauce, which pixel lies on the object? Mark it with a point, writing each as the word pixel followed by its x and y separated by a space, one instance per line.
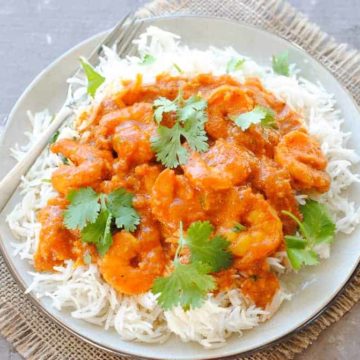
pixel 245 177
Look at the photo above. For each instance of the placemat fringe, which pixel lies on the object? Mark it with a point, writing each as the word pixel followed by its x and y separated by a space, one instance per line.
pixel 20 334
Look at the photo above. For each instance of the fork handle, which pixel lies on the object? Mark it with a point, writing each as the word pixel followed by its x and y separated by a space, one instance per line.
pixel 11 181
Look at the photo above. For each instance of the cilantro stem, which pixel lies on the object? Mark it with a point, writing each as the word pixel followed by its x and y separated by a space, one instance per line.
pixel 301 226
pixel 181 241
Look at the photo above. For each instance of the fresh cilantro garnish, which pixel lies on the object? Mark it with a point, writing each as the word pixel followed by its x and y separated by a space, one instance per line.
pixel 258 115
pixel 163 105
pixel 93 77
pixel 178 68
pixel 280 63
pixel 46 181
pixel 64 160
pixel 189 283
pixel 213 252
pixel 54 137
pixel 93 214
pixel 148 59
pixel 234 64
pixel 189 125
pixel 238 228
pixel 119 203
pixel 187 286
pixel 84 208
pixel 317 227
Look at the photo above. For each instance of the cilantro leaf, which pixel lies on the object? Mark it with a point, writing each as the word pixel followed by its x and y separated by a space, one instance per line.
pixel 193 107
pixel 83 208
pixel 189 125
pixel 234 64
pixel 98 232
pixel 163 105
pixel 318 226
pixel 280 63
pixel 258 115
pixel 213 252
pixel 299 257
pixel 187 286
pixel 148 59
pixel 54 137
pixel 168 148
pixel 195 135
pixel 93 77
pixel 120 205
pixel 238 228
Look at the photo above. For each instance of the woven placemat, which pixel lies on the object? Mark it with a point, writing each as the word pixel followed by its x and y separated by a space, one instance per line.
pixel 35 337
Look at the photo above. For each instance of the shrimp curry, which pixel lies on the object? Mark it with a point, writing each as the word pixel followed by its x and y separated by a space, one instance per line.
pixel 240 178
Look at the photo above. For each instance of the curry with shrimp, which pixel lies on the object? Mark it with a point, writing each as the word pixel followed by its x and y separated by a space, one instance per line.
pixel 185 187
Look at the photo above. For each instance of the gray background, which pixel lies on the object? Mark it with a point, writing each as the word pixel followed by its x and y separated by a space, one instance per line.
pixel 35 32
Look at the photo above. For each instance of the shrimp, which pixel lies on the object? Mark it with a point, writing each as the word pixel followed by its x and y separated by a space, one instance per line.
pixel 91 165
pixel 56 243
pixel 263 233
pixel 131 266
pixel 260 284
pixel 173 199
pixel 301 155
pixel 222 167
pixel 223 102
pixel 275 183
pixel 131 129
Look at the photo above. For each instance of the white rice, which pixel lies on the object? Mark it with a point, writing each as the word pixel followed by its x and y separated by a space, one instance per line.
pixel 82 291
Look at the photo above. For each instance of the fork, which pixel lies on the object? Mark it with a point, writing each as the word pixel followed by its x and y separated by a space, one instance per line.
pixel 121 37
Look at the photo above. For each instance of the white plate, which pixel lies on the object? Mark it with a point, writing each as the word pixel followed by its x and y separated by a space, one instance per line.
pixel 317 285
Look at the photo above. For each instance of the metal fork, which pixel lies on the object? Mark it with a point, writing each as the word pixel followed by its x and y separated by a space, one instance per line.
pixel 121 36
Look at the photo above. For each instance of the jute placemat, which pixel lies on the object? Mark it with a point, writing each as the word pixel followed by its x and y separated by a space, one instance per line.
pixel 35 337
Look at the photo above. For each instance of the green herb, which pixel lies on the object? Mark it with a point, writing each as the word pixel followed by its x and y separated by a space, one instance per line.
pixel 238 228
pixel 316 228
pixel 259 115
pixel 93 214
pixel 178 68
pixel 119 203
pixel 189 284
pixel 64 159
pixel 54 137
pixel 280 63
pixel 234 64
pixel 84 208
pixel 46 181
pixel 148 59
pixel 93 77
pixel 189 125
pixel 213 252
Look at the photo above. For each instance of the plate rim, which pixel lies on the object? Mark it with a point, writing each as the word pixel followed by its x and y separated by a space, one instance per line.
pixel 32 297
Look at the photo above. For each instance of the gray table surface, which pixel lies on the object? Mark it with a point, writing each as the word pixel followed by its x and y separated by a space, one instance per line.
pixel 35 32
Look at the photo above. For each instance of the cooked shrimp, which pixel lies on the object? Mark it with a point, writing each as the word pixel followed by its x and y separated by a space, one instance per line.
pixel 131 266
pixel 274 183
pixel 139 112
pixel 173 199
pixel 56 243
pixel 301 155
pixel 91 165
pixel 223 102
pixel 263 233
pixel 260 283
pixel 222 167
